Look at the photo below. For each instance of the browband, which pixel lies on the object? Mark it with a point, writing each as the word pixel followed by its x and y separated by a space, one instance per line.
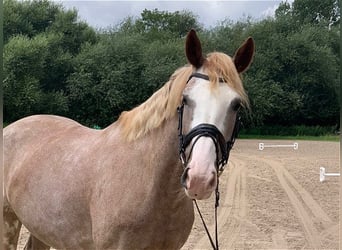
pixel 202 76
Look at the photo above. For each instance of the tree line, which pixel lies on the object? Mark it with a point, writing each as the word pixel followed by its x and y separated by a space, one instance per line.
pixel 56 64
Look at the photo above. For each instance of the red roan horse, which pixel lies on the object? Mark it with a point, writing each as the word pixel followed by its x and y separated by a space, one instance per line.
pixel 119 188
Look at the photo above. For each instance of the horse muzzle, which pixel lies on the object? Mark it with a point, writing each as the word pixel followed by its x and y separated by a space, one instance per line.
pixel 198 186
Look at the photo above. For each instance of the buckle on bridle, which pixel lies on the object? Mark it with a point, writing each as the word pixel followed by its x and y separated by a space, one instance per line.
pixel 182 157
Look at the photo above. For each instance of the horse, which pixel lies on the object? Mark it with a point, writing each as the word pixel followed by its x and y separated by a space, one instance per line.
pixel 125 187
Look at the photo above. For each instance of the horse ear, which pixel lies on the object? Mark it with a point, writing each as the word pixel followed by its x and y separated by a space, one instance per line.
pixel 193 49
pixel 244 55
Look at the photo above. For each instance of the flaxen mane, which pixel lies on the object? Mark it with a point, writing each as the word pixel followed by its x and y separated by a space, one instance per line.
pixel 162 105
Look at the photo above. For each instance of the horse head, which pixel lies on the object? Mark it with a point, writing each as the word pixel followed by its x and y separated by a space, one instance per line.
pixel 208 115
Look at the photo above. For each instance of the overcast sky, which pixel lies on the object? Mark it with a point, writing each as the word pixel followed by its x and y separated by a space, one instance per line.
pixel 103 14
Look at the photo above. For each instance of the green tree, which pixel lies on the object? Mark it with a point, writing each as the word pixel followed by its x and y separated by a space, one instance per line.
pixel 73 33
pixel 160 60
pixel 316 11
pixel 294 78
pixel 118 73
pixel 54 63
pixel 23 60
pixel 106 80
pixel 178 22
pixel 161 25
pixel 28 17
pixel 325 13
pixel 41 40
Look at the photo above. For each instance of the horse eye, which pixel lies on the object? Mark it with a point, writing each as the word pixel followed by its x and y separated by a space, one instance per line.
pixel 236 106
pixel 185 100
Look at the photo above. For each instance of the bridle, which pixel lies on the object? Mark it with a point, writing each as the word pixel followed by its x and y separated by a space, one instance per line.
pixel 206 130
pixel 222 150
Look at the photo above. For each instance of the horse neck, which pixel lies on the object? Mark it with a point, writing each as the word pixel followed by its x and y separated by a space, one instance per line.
pixel 153 162
pixel 167 194
pixel 155 153
pixel 163 143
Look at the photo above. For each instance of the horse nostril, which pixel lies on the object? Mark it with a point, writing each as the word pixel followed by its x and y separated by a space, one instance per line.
pixel 212 181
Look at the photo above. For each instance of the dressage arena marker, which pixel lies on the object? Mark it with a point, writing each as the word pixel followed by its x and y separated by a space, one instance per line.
pixel 323 174
pixel 262 146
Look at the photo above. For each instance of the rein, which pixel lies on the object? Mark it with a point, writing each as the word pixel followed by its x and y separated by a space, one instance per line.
pixel 222 149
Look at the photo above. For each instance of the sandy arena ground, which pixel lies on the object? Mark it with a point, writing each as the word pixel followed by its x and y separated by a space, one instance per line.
pixel 273 199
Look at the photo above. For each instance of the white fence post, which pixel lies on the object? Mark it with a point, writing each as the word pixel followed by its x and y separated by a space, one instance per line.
pixel 323 174
pixel 262 146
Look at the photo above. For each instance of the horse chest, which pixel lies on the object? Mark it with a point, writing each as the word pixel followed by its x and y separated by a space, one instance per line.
pixel 138 225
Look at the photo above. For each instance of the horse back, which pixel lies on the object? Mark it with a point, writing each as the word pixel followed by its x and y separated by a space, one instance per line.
pixel 23 136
